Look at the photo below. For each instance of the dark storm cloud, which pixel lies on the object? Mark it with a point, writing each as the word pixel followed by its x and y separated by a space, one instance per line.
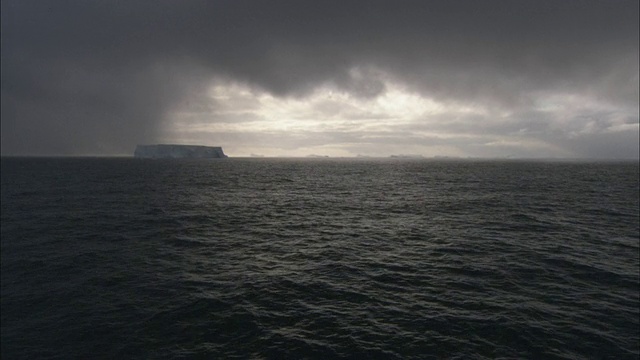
pixel 101 76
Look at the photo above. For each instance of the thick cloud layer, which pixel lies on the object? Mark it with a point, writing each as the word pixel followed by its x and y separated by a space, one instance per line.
pixel 98 77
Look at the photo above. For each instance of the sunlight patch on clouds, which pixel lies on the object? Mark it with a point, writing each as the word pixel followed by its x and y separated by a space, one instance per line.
pixel 335 122
pixel 235 107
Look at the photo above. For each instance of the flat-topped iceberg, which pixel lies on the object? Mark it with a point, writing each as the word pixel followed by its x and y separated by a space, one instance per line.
pixel 168 151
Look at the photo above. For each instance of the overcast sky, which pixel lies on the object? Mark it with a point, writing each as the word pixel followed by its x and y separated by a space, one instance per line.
pixel 341 78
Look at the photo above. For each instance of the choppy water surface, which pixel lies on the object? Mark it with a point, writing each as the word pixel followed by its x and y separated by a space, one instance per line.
pixel 274 258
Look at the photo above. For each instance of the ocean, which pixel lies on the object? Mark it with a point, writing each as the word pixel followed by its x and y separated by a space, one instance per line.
pixel 123 258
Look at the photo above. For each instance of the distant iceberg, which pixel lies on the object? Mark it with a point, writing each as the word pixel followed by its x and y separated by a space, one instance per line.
pixel 408 156
pixel 168 151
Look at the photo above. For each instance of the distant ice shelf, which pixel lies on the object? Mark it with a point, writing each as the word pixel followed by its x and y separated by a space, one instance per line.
pixel 169 151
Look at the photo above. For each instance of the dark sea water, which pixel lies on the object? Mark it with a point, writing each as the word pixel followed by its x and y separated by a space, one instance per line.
pixel 319 259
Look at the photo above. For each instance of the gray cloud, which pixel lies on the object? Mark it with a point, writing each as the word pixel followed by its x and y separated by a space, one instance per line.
pixel 100 76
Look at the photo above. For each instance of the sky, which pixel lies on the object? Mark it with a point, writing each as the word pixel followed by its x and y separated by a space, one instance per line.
pixel 460 78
